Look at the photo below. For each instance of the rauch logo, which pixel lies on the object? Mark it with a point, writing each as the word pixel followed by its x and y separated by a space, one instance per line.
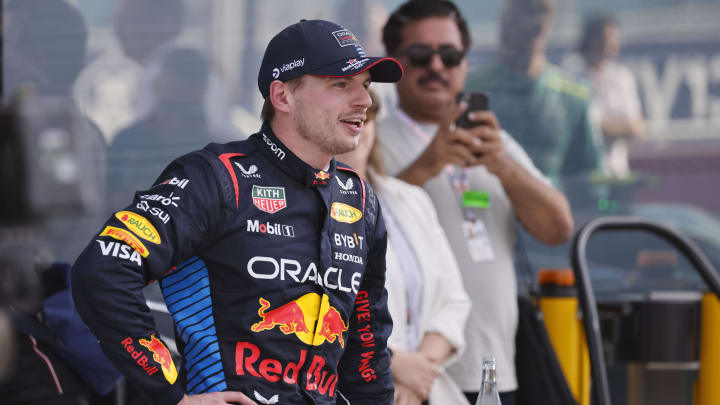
pixel 139 225
pixel 344 213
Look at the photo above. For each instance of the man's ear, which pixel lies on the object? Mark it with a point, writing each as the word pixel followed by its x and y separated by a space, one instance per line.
pixel 279 94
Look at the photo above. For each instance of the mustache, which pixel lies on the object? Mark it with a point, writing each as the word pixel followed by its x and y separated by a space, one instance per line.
pixel 430 76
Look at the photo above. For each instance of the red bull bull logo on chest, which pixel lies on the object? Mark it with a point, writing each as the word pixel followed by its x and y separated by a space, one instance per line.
pixel 299 317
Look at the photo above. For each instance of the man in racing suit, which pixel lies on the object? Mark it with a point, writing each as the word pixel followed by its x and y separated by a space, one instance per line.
pixel 269 254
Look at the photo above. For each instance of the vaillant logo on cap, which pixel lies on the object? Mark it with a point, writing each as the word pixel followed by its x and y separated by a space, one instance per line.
pixel 288 66
pixel 345 37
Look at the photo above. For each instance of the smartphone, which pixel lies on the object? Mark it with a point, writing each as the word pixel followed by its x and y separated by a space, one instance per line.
pixel 476 102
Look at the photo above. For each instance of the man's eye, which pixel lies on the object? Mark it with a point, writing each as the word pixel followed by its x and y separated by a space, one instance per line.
pixel 340 85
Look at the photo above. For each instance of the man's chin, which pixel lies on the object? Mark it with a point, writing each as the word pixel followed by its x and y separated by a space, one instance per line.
pixel 435 101
pixel 348 147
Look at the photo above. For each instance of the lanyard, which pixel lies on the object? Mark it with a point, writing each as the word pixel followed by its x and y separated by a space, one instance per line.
pixel 458 176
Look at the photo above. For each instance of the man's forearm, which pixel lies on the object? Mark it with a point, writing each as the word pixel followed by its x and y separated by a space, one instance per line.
pixel 630 128
pixel 543 210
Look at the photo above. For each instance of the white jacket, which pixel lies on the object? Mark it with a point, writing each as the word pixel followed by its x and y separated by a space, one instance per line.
pixel 445 304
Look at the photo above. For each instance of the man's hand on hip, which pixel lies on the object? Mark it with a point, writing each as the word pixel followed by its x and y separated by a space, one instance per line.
pixel 217 398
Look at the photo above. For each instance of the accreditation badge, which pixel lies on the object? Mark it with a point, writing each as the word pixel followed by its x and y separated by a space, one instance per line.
pixel 473 228
pixel 478 240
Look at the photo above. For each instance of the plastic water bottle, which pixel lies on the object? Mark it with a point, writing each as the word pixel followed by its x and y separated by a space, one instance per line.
pixel 488 393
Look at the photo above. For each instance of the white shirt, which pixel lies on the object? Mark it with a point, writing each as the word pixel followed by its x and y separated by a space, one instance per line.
pixel 492 324
pixel 615 96
pixel 412 275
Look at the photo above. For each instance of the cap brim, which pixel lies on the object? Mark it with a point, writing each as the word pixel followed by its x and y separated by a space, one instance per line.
pixel 382 70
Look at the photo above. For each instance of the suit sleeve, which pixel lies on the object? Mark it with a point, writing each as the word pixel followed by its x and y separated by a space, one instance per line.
pixel 163 226
pixel 364 369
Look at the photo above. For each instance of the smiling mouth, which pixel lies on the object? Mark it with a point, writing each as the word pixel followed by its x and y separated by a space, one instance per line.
pixel 357 123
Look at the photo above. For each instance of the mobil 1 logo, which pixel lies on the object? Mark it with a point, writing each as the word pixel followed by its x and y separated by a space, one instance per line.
pixel 253 225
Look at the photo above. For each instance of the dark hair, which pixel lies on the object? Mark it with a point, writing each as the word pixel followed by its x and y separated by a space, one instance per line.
pixel 521 24
pixel 187 63
pixel 268 110
pixel 593 38
pixel 415 10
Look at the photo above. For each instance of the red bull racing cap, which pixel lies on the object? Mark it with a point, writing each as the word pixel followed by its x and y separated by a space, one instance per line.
pixel 321 48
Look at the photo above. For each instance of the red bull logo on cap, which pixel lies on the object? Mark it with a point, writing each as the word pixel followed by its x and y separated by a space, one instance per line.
pixel 162 356
pixel 299 317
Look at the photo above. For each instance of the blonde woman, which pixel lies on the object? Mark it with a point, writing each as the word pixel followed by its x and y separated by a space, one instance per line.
pixel 426 297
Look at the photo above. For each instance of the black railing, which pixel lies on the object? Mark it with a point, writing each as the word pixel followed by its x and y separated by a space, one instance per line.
pixel 600 390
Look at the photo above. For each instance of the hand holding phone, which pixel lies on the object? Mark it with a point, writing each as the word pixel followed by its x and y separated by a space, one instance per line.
pixel 475 102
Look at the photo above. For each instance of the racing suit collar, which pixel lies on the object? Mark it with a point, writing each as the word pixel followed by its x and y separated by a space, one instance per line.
pixel 275 151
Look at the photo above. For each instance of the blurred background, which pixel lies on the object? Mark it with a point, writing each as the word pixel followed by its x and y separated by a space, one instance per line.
pixel 206 56
pixel 111 91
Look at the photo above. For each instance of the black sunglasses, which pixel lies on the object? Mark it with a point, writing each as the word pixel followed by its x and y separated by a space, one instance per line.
pixel 421 55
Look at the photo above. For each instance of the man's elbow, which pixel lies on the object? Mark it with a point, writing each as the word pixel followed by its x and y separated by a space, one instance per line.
pixel 562 230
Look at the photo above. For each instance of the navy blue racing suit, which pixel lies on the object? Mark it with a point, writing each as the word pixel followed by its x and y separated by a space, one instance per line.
pixel 273 272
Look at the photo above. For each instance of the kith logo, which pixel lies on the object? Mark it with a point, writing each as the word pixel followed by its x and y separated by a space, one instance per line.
pixel 347 187
pixel 269 199
pixel 250 172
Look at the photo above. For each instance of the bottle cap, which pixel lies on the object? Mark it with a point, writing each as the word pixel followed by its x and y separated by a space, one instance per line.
pixel 560 277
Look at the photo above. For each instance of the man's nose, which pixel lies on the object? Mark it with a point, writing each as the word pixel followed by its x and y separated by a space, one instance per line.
pixel 436 64
pixel 363 98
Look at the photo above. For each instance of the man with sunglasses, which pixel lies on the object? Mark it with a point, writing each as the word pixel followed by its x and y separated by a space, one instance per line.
pixel 479 179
